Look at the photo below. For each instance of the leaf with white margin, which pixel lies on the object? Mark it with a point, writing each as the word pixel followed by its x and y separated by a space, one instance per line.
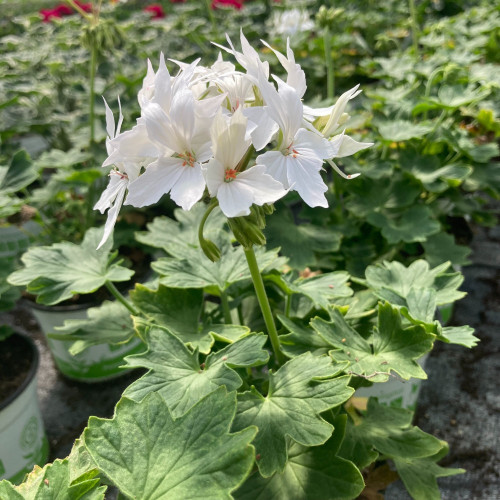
pixel 311 473
pixel 390 349
pixel 149 455
pixel 299 391
pixel 175 372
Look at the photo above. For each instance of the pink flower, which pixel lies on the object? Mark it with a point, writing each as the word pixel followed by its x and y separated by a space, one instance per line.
pixel 155 10
pixel 237 4
pixel 87 7
pixel 57 12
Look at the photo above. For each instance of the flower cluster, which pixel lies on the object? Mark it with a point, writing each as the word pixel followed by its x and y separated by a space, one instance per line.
pixel 240 136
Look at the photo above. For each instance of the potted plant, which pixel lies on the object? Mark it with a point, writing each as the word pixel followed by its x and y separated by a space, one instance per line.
pixel 63 277
pixel 22 435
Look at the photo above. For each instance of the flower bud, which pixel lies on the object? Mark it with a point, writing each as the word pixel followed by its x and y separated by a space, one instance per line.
pixel 325 18
pixel 210 249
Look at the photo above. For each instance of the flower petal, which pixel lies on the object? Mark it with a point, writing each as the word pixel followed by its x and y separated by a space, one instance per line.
pixel 235 199
pixel 276 166
pixel 264 188
pixel 189 187
pixel 157 180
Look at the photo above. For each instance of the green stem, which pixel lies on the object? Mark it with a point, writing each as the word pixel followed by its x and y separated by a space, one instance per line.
pixel 93 67
pixel 288 305
pixel 210 13
pixel 210 207
pixel 414 26
pixel 330 76
pixel 225 307
pixel 264 303
pixel 79 9
pixel 120 298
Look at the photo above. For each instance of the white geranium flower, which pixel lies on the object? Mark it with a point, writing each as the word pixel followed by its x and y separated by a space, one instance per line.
pixel 299 159
pixel 328 120
pixel 290 22
pixel 185 142
pixel 237 191
pixel 126 166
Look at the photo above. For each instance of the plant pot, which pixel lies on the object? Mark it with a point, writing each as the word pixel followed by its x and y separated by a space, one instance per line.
pixel 395 392
pixel 15 240
pixel 22 436
pixel 94 364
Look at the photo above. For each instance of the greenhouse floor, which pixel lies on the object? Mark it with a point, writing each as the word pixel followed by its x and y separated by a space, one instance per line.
pixel 459 403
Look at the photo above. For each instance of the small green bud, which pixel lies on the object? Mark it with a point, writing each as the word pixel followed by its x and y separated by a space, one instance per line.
pixel 210 249
pixel 326 17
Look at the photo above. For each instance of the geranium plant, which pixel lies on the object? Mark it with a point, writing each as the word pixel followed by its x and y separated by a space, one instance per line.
pixel 225 410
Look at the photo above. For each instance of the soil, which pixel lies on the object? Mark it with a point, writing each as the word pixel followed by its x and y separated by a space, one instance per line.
pixel 16 358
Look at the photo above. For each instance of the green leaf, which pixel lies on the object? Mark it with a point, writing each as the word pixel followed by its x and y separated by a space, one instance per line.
pixel 199 272
pixel 176 373
pixel 149 455
pixel 56 481
pixel 391 348
pixel 301 340
pixel 321 289
pixel 56 158
pixel 388 431
pixel 434 177
pixel 180 238
pixel 298 392
pixel 300 241
pixel 109 323
pixel 441 247
pixel 419 475
pixel 414 224
pixel 19 174
pixel 461 335
pixel 179 310
pixel 453 96
pixel 311 473
pixel 392 281
pixel 402 130
pixel 57 272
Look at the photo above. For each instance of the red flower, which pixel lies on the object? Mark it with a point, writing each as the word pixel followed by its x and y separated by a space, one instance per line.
pixel 57 12
pixel 237 4
pixel 155 10
pixel 87 7
pixel 63 10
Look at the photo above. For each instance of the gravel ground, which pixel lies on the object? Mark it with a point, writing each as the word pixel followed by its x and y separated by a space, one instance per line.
pixel 459 403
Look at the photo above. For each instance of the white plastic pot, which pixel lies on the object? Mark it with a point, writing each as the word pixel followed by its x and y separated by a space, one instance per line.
pixel 395 392
pixel 22 436
pixel 96 363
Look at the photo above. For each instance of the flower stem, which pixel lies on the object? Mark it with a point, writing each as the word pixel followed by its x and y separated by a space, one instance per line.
pixel 210 207
pixel 414 26
pixel 330 75
pixel 264 303
pixel 225 307
pixel 93 64
pixel 120 298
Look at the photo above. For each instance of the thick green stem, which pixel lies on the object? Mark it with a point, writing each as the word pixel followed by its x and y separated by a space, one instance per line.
pixel 414 26
pixel 93 64
pixel 120 298
pixel 260 290
pixel 330 75
pixel 225 307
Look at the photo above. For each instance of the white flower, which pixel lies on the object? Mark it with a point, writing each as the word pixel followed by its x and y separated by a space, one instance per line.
pixel 290 22
pixel 299 159
pixel 237 191
pixel 185 142
pixel 126 166
pixel 328 120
